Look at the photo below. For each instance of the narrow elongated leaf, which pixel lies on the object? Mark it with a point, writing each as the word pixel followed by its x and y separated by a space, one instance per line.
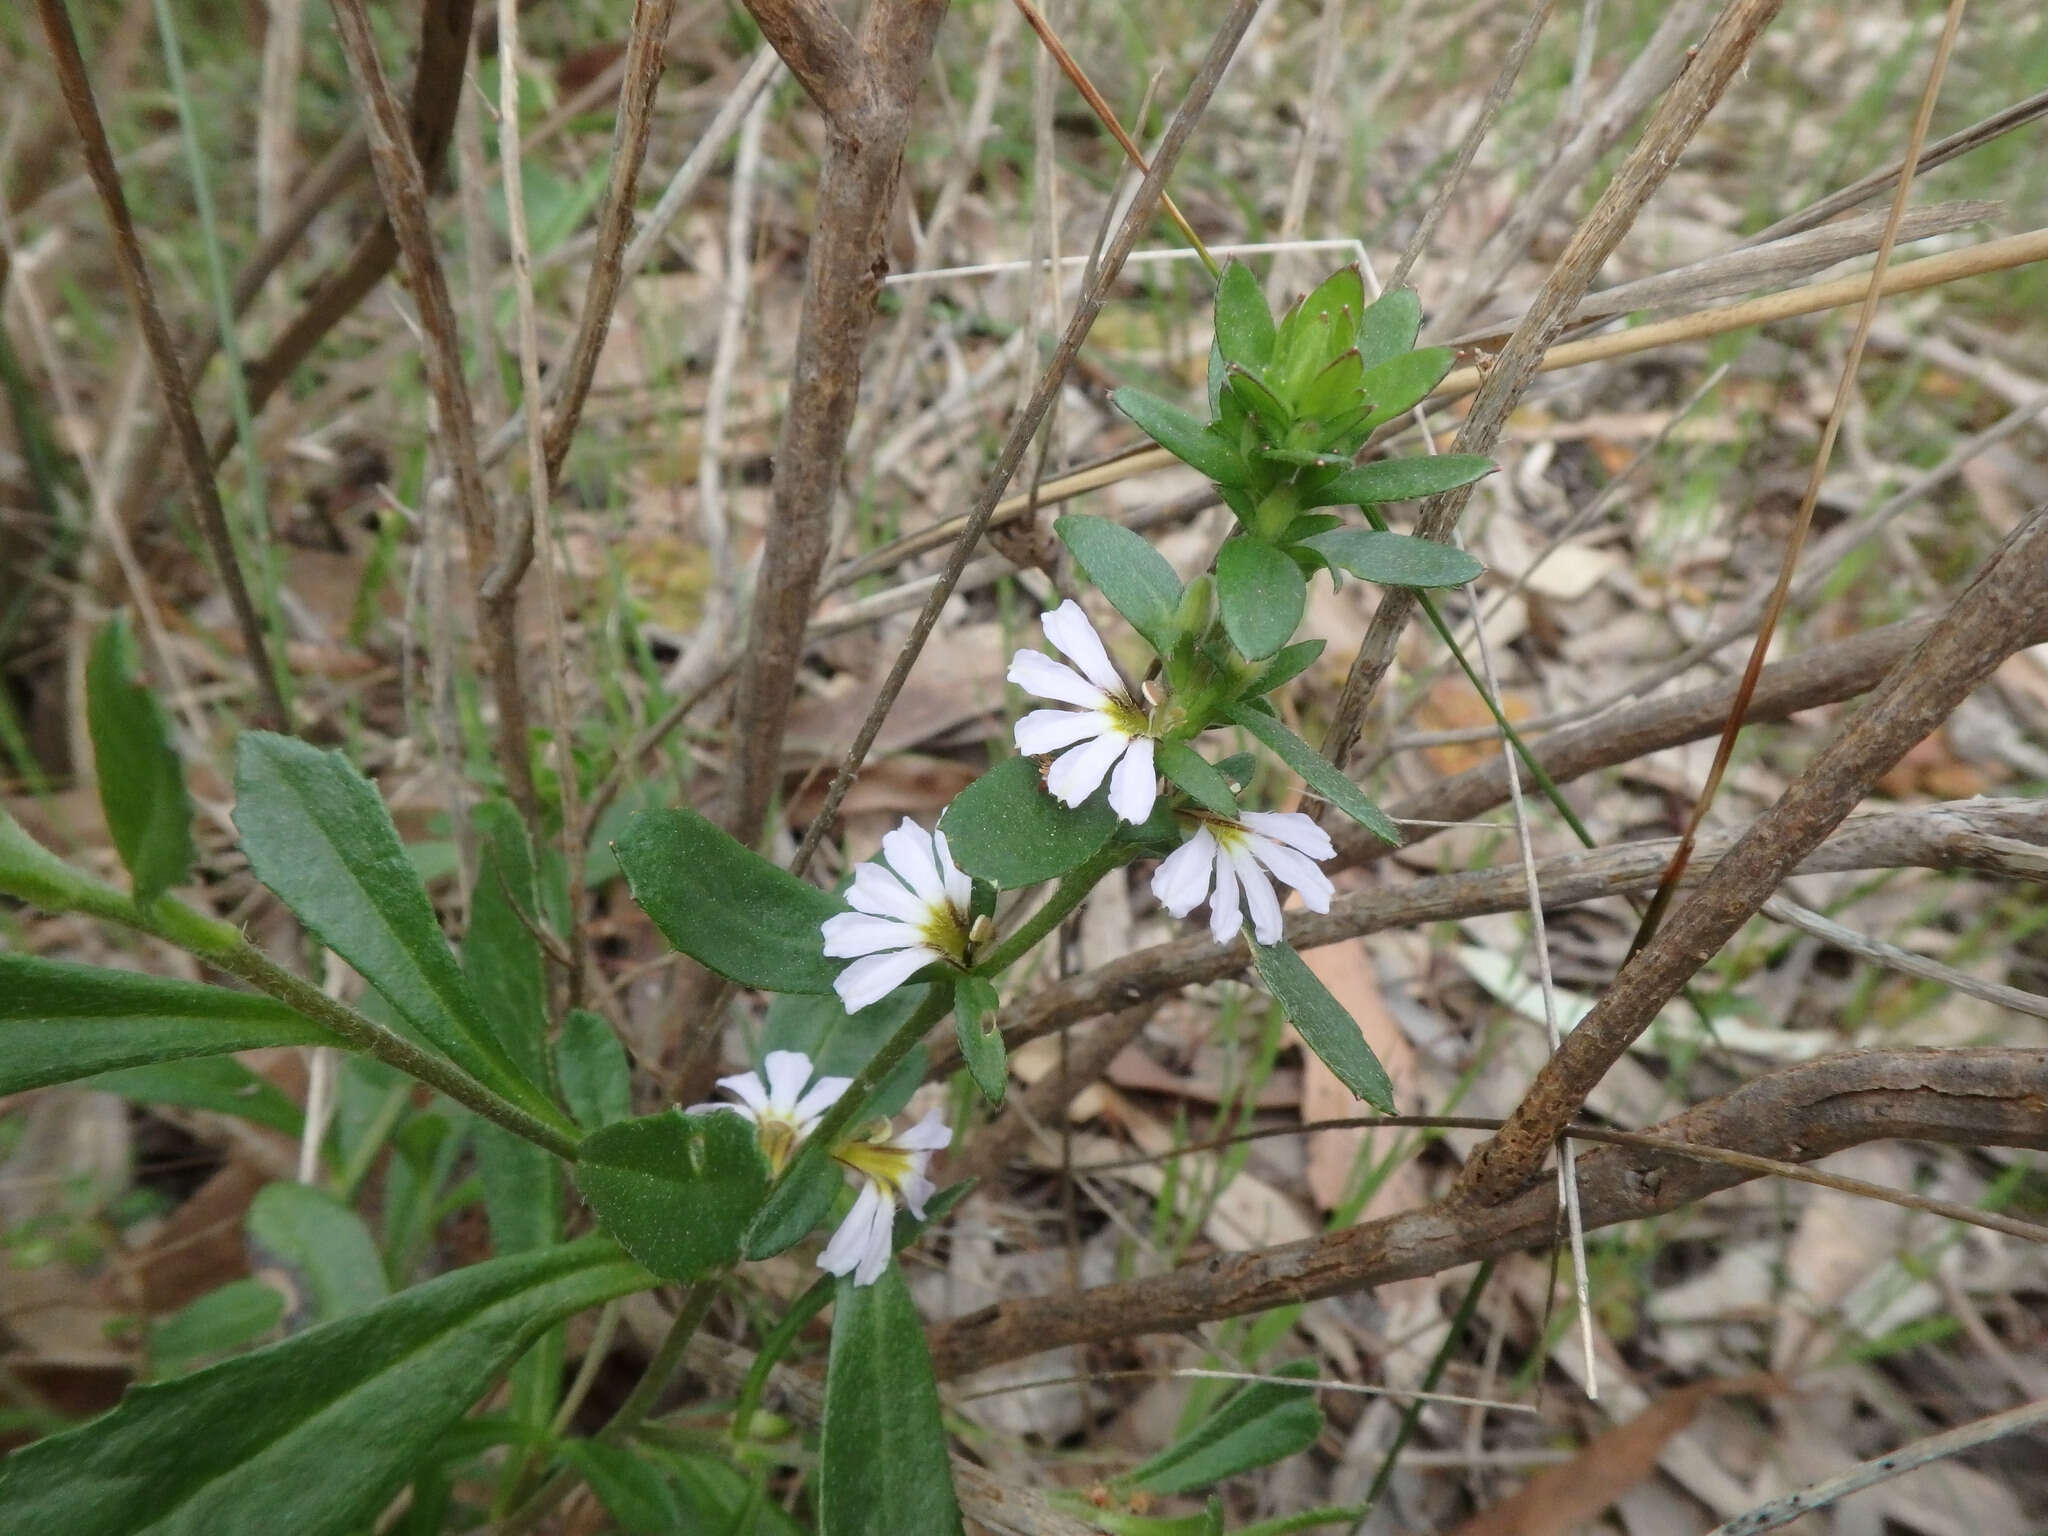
pixel 501 958
pixel 30 872
pixel 1244 326
pixel 1322 1022
pixel 317 834
pixel 676 1190
pixel 883 1467
pixel 1005 829
pixel 981 1043
pixel 322 1245
pixel 1262 593
pixel 1389 326
pixel 1181 433
pixel 801 1199
pixel 1400 480
pixel 1259 1424
pixel 59 1022
pixel 217 1083
pixel 313 1435
pixel 142 783
pixel 1402 383
pixel 1396 559
pixel 597 1079
pixel 1133 575
pixel 222 1322
pixel 725 906
pixel 1315 769
pixel 1192 772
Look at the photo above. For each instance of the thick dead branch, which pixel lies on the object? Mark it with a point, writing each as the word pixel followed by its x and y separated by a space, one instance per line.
pixel 828 63
pixel 1987 623
pixel 1796 1114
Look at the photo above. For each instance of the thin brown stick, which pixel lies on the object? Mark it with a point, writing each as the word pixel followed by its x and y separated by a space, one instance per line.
pixel 403 185
pixel 1025 426
pixel 1802 521
pixel 1677 117
pixel 1796 1114
pixel 76 86
pixel 1987 623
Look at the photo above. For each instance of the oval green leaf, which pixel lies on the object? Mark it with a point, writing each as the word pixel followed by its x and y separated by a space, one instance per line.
pixel 1322 1022
pixel 1400 480
pixel 725 906
pixel 1181 433
pixel 322 1245
pixel 142 783
pixel 1005 829
pixel 313 1435
pixel 677 1190
pixel 1396 559
pixel 1133 575
pixel 1244 325
pixel 1389 326
pixel 597 1079
pixel 981 1043
pixel 1262 594
pixel 1402 383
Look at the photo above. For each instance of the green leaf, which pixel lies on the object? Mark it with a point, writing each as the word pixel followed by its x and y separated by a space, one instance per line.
pixel 1133 575
pixel 1402 383
pixel 1007 830
pixel 725 906
pixel 315 1434
pixel 501 959
pixel 1321 1021
pixel 30 872
pixel 1318 330
pixel 981 1043
pixel 633 1489
pixel 1261 1423
pixel 1396 559
pixel 322 1245
pixel 1400 480
pixel 1287 664
pixel 676 1190
pixel 225 1321
pixel 1389 326
pixel 1315 769
pixel 1272 414
pixel 1333 394
pixel 801 1199
pixel 597 1079
pixel 317 835
pixel 1244 326
pixel 1192 772
pixel 142 783
pixel 1263 596
pixel 1182 434
pixel 883 1467
pixel 220 1084
pixel 59 1021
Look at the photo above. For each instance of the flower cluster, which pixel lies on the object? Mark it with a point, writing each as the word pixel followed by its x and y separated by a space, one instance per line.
pixel 889 1166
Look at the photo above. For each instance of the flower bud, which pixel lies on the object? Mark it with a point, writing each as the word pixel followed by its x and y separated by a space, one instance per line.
pixel 1197 607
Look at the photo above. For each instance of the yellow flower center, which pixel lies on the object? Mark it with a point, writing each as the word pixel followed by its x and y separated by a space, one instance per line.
pixel 876 1157
pixel 777 1135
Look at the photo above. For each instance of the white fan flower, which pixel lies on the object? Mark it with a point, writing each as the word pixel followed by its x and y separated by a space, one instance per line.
pixel 909 910
pixel 1246 854
pixel 783 1110
pixel 892 1170
pixel 1107 731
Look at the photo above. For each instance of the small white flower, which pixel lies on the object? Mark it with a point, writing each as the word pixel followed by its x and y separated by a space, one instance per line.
pixel 891 1168
pixel 783 1112
pixel 909 910
pixel 1107 731
pixel 1246 853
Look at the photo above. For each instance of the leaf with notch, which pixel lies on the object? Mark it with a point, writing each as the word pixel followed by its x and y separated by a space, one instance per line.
pixel 142 783
pixel 981 1043
pixel 1262 594
pixel 1396 559
pixel 1315 769
pixel 1193 772
pixel 1133 575
pixel 1184 435
pixel 1244 325
pixel 1321 1021
pixel 1400 480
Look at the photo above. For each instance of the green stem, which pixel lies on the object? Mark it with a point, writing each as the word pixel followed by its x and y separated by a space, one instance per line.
pixel 1063 901
pixel 937 1004
pixel 773 1347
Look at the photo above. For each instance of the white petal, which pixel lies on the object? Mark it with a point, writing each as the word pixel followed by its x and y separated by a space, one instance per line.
pixel 959 889
pixel 1225 917
pixel 1258 896
pixel 848 1249
pixel 748 1087
pixel 1135 784
pixel 909 852
pixel 928 1135
pixel 855 933
pixel 738 1109
pixel 877 891
pixel 1075 775
pixel 825 1092
pixel 1297 869
pixel 915 1189
pixel 1182 879
pixel 788 1071
pixel 1046 731
pixel 1293 829
pixel 873 978
pixel 1043 678
pixel 1071 634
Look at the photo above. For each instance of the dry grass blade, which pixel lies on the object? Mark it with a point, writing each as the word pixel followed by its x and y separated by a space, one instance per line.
pixel 76 86
pixel 1803 519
